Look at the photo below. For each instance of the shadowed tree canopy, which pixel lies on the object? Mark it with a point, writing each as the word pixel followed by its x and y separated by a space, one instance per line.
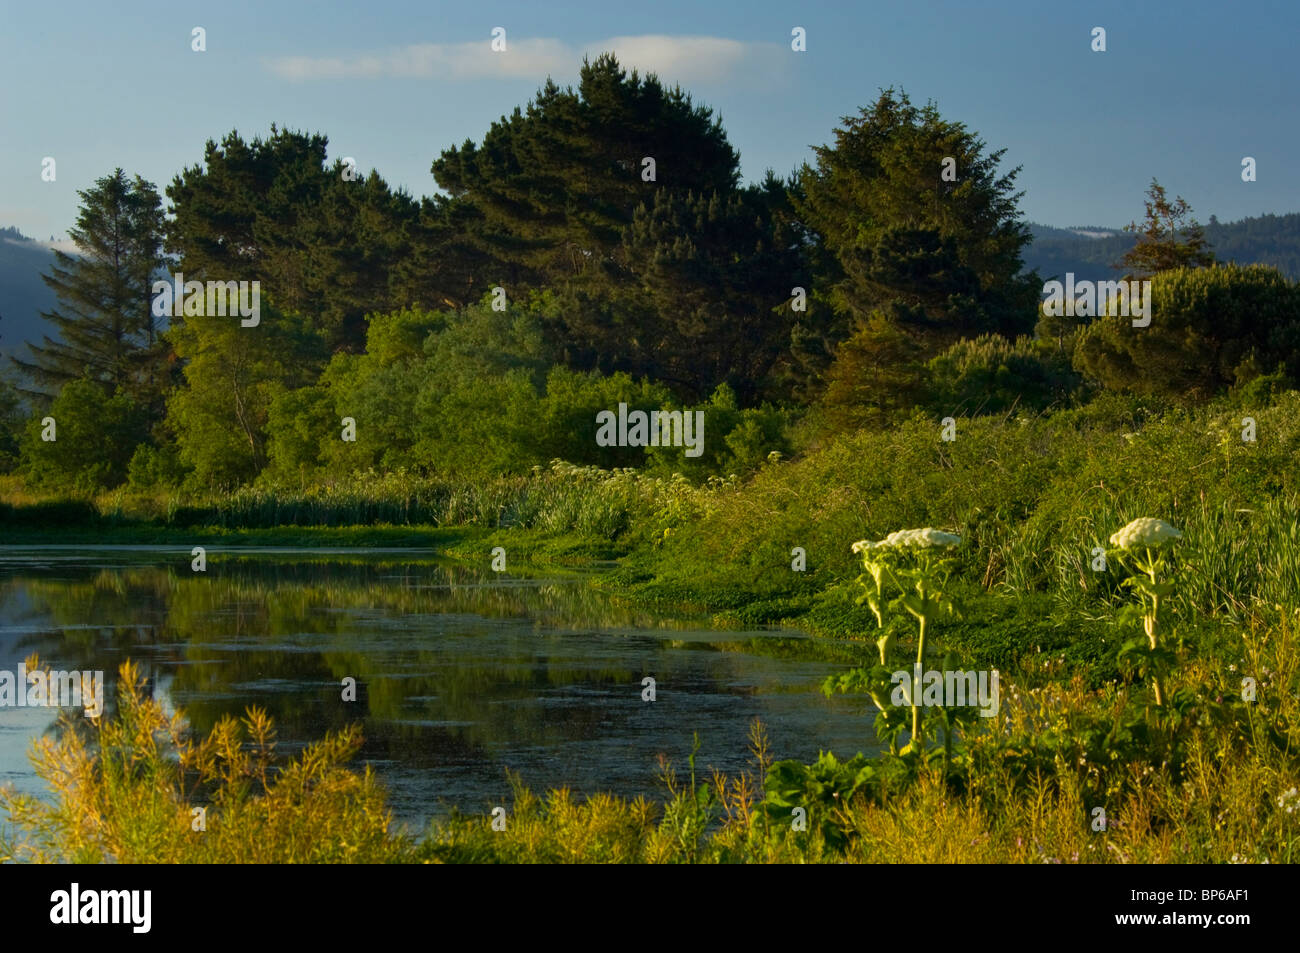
pixel 939 255
pixel 681 275
pixel 1213 328
pixel 551 188
pixel 326 241
pixel 711 299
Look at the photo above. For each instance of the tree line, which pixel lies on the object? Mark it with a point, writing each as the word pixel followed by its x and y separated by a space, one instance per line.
pixel 595 247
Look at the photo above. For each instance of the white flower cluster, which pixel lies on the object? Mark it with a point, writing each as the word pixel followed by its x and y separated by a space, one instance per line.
pixel 1145 531
pixel 909 539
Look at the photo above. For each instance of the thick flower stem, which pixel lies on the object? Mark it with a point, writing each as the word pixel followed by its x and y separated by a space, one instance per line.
pixel 916 702
pixel 1149 623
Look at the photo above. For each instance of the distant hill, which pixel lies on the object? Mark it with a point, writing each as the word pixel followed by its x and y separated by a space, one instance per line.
pixel 23 296
pixel 1090 251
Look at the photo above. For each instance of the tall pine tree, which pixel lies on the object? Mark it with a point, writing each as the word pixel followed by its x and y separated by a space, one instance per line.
pixel 622 198
pixel 914 222
pixel 106 328
pixel 917 243
pixel 323 240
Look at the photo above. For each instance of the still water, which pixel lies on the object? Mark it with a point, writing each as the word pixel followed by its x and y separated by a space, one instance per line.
pixel 461 673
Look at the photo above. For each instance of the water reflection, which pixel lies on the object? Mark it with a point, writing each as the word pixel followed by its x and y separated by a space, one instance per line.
pixel 460 673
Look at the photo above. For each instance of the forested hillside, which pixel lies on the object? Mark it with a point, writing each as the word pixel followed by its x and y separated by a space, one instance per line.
pixel 1267 240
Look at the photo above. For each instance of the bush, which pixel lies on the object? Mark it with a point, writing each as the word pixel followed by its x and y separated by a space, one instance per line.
pixel 991 374
pixel 95 436
pixel 153 467
pixel 1211 328
pixel 735 441
pixel 128 793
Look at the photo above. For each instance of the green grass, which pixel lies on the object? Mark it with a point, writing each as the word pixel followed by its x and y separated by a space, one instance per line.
pixel 1199 781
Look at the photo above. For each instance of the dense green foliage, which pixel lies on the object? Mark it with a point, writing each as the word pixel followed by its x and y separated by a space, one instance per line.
pixel 553 188
pixel 221 416
pixel 939 255
pixel 1217 327
pixel 90 443
pixel 991 374
pixel 476 336
pixel 1203 778
pixel 321 243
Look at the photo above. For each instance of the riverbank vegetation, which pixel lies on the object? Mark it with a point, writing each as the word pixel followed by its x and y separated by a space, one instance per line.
pixel 869 356
pixel 1214 784
pixel 1205 777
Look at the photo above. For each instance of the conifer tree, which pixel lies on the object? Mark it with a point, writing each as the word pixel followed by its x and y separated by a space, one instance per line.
pixel 1168 237
pixel 552 187
pixel 912 219
pixel 323 240
pixel 107 331
pixel 916 243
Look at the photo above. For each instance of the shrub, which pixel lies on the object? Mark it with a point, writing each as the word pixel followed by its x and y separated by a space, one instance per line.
pixel 991 374
pixel 1211 328
pixel 128 793
pixel 95 436
pixel 153 467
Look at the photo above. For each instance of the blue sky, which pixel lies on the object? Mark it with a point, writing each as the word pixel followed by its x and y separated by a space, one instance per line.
pixel 1183 92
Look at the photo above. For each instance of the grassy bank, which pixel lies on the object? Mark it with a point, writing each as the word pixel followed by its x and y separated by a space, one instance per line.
pixel 1207 774
pixel 468 543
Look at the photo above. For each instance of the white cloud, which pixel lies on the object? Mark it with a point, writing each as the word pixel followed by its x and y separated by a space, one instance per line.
pixel 677 59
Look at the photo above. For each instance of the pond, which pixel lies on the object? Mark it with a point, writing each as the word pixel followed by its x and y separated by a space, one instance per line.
pixel 461 673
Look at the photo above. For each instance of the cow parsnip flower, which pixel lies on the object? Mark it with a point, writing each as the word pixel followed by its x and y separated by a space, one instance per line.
pixel 921 576
pixel 1147 532
pixel 927 538
pixel 1141 542
pixel 920 538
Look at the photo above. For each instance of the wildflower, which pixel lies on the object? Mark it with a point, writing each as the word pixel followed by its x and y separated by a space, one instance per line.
pixel 1145 531
pixel 909 538
pixel 924 576
pixel 920 537
pixel 1285 801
